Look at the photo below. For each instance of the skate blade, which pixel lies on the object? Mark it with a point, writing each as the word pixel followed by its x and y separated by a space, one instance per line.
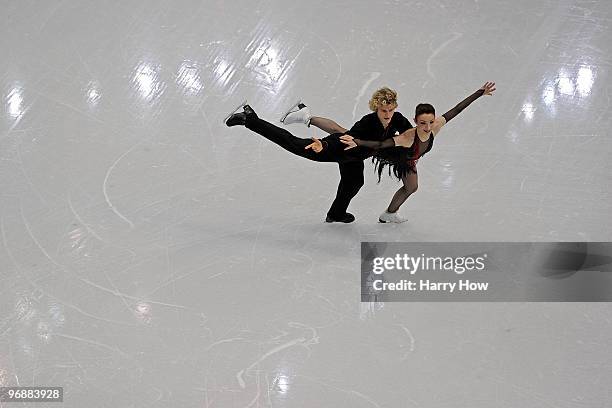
pixel 235 110
pixel 290 110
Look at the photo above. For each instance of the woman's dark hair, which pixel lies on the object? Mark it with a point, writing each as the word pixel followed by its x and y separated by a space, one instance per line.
pixel 394 157
pixel 422 108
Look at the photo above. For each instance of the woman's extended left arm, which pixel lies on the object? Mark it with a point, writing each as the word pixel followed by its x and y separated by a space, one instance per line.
pixel 487 89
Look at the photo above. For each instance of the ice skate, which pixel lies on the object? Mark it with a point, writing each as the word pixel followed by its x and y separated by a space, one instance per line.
pixel 388 217
pixel 297 113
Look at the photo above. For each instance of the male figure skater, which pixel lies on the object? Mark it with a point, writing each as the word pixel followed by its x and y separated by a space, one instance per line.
pixel 384 122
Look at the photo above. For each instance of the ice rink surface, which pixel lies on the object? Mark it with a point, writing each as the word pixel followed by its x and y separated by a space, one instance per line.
pixel 152 257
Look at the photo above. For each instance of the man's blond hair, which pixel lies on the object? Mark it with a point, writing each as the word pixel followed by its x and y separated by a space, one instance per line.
pixel 383 96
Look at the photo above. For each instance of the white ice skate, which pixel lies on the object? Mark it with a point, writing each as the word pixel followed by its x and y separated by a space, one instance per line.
pixel 297 113
pixel 391 217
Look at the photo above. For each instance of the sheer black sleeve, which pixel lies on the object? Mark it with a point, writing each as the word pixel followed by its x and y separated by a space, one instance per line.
pixel 375 145
pixel 462 105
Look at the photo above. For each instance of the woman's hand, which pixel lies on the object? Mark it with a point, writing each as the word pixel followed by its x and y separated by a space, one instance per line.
pixel 316 145
pixel 488 88
pixel 349 141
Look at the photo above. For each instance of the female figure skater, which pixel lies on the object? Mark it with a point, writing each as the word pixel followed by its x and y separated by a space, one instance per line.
pixel 382 123
pixel 401 152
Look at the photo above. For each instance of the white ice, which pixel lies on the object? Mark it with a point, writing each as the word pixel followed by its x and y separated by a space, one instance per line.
pixel 152 257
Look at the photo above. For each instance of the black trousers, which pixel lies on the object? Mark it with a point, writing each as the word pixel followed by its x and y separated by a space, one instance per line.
pixel 351 167
pixel 351 181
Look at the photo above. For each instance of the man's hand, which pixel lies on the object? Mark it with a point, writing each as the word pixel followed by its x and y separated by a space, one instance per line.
pixel 349 141
pixel 316 145
pixel 488 88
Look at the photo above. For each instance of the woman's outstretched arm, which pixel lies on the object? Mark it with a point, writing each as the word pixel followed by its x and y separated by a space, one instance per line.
pixel 487 89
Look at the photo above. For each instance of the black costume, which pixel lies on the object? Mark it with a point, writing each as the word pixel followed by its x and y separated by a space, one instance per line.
pixel 403 160
pixel 368 127
pixel 350 161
